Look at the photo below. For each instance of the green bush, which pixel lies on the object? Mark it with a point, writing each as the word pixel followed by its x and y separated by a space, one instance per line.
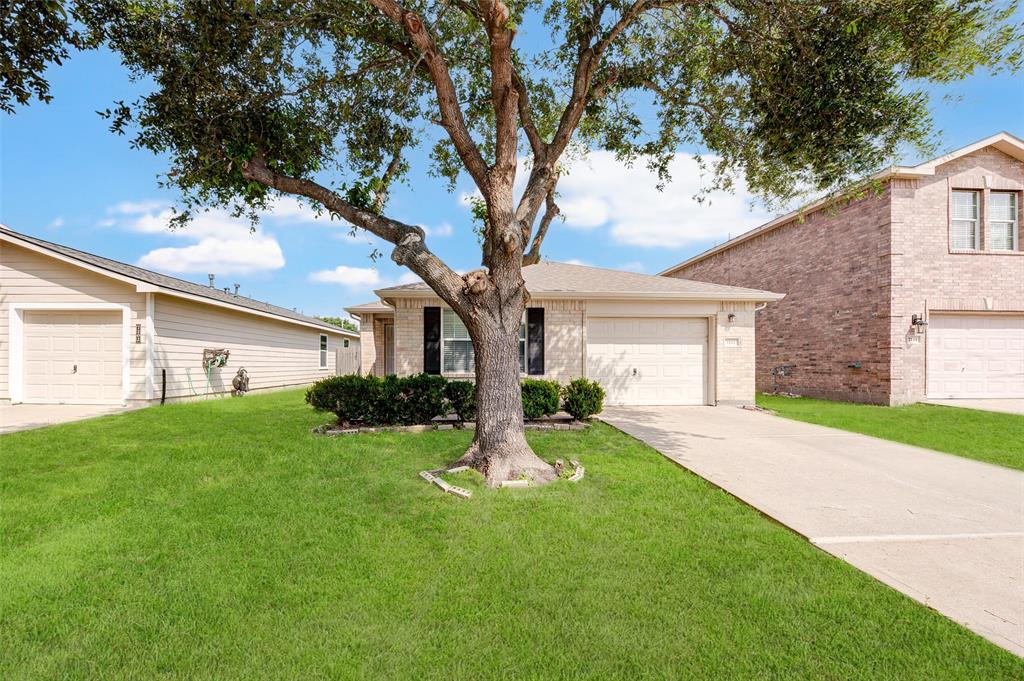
pixel 352 398
pixel 461 396
pixel 422 398
pixel 540 398
pixel 387 407
pixel 582 398
pixel 374 401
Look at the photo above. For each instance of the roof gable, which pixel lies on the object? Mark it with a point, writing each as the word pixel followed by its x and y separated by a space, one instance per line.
pixel 549 279
pixel 149 281
pixel 1011 145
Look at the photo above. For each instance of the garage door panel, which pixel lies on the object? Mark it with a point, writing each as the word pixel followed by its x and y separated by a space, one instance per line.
pixel 649 361
pixel 975 355
pixel 72 357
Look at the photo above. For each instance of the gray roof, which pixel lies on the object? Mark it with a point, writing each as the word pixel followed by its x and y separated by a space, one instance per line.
pixel 172 283
pixel 565 280
pixel 369 308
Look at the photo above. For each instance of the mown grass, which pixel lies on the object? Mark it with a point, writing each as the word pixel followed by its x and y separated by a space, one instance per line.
pixel 222 540
pixel 983 435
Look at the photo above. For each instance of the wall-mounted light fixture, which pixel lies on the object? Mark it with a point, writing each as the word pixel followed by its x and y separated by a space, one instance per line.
pixel 918 322
pixel 732 316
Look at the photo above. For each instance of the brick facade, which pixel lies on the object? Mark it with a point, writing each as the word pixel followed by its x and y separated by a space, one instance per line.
pixel 731 363
pixel 855 275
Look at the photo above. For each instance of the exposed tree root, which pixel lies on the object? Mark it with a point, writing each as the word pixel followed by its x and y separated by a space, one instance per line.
pixel 507 463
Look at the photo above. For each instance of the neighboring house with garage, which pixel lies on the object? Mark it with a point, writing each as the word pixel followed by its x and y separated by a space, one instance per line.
pixel 914 291
pixel 77 328
pixel 648 340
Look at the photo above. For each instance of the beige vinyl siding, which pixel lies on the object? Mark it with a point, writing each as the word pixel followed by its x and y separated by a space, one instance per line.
pixel 274 353
pixel 30 277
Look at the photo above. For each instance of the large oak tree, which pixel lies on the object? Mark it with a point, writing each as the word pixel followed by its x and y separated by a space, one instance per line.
pixel 324 100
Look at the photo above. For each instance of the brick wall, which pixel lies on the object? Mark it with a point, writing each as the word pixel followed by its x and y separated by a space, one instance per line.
pixel 854 276
pixel 564 336
pixel 833 266
pixel 734 360
pixel 927 276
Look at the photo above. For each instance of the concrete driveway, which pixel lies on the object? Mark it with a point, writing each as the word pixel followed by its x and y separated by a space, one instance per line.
pixel 1007 406
pixel 942 529
pixel 15 417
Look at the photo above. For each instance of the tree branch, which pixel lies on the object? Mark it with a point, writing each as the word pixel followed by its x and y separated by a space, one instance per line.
pixel 410 241
pixel 381 196
pixel 452 119
pixel 532 257
pixel 526 118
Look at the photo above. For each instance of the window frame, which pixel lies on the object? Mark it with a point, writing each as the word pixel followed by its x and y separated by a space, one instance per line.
pixel 1014 222
pixel 523 344
pixel 976 220
pixel 324 347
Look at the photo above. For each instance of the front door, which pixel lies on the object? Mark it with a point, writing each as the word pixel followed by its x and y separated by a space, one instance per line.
pixel 389 348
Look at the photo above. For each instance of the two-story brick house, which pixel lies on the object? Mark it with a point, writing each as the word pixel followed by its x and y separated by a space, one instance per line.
pixel 914 291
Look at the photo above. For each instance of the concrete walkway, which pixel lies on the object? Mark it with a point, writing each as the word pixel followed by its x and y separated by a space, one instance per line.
pixel 1007 406
pixel 15 417
pixel 942 529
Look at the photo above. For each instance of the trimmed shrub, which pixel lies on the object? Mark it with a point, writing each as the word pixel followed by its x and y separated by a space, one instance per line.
pixel 582 398
pixel 540 398
pixel 422 398
pixel 461 396
pixel 352 398
pixel 387 404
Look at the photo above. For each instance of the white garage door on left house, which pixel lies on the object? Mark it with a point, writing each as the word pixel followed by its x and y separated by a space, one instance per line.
pixel 72 357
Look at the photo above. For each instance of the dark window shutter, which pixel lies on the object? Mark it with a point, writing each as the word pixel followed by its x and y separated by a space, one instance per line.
pixel 432 340
pixel 535 341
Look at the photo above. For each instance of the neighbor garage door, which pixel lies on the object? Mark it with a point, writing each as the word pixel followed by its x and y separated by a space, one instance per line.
pixel 72 357
pixel 975 355
pixel 649 361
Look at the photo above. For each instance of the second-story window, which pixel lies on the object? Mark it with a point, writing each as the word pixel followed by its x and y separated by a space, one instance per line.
pixel 1002 221
pixel 965 221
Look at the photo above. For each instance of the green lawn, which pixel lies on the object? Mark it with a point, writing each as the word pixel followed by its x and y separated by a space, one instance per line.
pixel 982 435
pixel 222 540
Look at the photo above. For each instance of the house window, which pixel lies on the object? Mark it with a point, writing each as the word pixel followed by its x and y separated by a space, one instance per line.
pixel 323 351
pixel 457 347
pixel 965 221
pixel 1002 221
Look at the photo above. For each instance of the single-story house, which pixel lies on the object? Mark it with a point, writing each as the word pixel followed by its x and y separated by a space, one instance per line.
pixel 648 340
pixel 912 292
pixel 78 328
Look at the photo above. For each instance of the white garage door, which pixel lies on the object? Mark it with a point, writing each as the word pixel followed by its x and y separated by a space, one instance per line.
pixel 656 361
pixel 975 355
pixel 72 357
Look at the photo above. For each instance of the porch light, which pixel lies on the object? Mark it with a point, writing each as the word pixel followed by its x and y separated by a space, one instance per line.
pixel 918 321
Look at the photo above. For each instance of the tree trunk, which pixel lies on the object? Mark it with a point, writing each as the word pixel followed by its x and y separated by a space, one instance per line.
pixel 499 448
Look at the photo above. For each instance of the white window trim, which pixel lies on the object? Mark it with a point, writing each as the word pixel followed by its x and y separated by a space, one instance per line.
pixel 976 220
pixel 1014 226
pixel 16 342
pixel 323 348
pixel 525 339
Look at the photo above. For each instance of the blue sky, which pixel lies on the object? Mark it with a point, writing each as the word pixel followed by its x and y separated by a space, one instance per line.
pixel 64 177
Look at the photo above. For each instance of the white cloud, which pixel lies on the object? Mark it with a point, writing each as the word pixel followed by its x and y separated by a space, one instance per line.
pixel 633 266
pixel 361 278
pixel 136 207
pixel 219 256
pixel 217 242
pixel 576 261
pixel 443 229
pixel 56 223
pixel 584 212
pixel 352 277
pixel 599 191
